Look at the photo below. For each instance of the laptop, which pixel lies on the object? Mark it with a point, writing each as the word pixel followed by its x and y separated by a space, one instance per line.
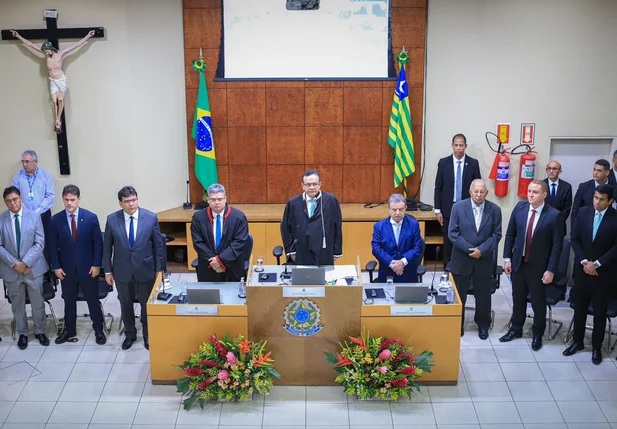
pixel 203 296
pixel 413 292
pixel 308 276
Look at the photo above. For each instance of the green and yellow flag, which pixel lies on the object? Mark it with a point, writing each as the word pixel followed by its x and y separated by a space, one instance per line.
pixel 399 136
pixel 205 157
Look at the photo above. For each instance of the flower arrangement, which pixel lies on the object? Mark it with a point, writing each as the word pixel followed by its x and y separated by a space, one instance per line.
pixel 226 369
pixel 379 367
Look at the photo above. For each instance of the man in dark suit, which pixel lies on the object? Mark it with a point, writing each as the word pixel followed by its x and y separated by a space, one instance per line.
pixel 531 254
pixel 220 234
pixel 586 190
pixel 397 243
pixel 612 177
pixel 76 251
pixel 475 232
pixel 594 241
pixel 134 238
pixel 559 191
pixel 454 176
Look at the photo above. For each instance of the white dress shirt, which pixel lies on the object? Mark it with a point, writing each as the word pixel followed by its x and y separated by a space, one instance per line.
pixel 21 221
pixel 307 200
pixel 127 223
pixel 397 227
pixel 68 218
pixel 455 160
pixel 550 186
pixel 474 207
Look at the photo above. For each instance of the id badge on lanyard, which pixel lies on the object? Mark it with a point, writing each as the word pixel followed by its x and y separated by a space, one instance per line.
pixel 31 185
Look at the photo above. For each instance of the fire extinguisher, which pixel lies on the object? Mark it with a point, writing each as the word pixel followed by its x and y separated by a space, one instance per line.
pixel 528 171
pixel 502 175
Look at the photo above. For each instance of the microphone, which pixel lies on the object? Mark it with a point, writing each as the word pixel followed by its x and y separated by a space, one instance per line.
pixel 433 291
pixel 286 274
pixel 187 205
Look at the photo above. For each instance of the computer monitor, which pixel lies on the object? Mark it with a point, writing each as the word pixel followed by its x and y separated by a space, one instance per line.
pixel 308 276
pixel 196 295
pixel 413 292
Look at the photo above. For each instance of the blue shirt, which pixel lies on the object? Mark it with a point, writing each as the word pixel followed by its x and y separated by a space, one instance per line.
pixel 43 189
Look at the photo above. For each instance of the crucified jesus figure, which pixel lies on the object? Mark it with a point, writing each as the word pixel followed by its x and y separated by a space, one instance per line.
pixel 57 78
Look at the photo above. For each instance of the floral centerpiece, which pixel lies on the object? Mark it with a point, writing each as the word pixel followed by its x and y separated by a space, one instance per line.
pixel 379 367
pixel 228 369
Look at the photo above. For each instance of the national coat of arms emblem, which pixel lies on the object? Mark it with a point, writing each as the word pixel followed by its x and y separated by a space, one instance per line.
pixel 302 318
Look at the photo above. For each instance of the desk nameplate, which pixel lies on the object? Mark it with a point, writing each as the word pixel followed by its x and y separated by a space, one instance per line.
pixel 304 292
pixel 197 310
pixel 411 310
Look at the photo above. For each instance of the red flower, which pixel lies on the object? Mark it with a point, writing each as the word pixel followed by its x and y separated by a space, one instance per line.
pixel 209 363
pixel 213 339
pixel 206 383
pixel 221 349
pixel 245 347
pixel 342 361
pixel 388 342
pixel 399 357
pixel 407 371
pixel 193 372
pixel 399 383
pixel 358 341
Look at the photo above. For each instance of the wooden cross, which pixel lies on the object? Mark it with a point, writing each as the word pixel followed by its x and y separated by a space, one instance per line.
pixel 52 33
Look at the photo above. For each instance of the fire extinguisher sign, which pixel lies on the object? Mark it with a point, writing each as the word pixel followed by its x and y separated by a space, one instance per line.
pixel 503 132
pixel 528 133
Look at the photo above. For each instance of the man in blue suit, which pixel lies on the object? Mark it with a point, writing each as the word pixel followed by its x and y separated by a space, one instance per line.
pixel 76 250
pixel 134 238
pixel 531 253
pixel 397 243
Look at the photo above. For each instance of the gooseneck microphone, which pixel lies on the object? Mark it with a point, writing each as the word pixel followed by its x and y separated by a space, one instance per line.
pixel 187 205
pixel 286 274
pixel 433 291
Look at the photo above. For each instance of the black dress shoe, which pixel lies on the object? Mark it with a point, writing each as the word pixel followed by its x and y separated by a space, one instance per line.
pixel 574 347
pixel 22 343
pixel 100 338
pixel 64 337
pixel 483 334
pixel 510 335
pixel 596 357
pixel 146 343
pixel 536 344
pixel 128 343
pixel 42 339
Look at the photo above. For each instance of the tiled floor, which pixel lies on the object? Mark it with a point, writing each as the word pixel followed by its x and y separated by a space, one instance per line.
pixel 82 385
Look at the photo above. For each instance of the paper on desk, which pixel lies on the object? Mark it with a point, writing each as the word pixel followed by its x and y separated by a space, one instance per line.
pixel 340 272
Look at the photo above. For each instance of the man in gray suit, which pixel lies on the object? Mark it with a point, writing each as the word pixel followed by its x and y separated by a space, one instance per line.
pixel 475 232
pixel 133 236
pixel 22 264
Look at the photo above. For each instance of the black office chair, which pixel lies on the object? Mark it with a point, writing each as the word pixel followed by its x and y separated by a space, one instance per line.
pixel 371 266
pixel 104 290
pixel 611 313
pixel 50 287
pixel 495 284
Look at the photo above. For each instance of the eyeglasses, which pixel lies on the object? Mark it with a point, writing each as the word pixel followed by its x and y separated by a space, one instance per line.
pixel 131 201
pixel 311 185
pixel 12 201
pixel 216 200
pixel 28 162
pixel 477 192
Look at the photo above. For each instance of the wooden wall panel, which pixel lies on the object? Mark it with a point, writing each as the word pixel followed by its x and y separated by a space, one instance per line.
pixel 268 132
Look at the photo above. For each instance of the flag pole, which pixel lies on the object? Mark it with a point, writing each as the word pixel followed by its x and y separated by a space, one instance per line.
pixel 405 187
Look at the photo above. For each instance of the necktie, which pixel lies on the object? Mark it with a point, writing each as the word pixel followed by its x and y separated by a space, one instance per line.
pixel 397 232
pixel 529 234
pixel 553 191
pixel 132 233
pixel 459 184
pixel 73 228
pixel 596 224
pixel 312 207
pixel 18 235
pixel 478 218
pixel 219 231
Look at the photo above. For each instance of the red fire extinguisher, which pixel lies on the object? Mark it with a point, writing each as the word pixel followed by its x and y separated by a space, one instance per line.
pixel 502 173
pixel 528 171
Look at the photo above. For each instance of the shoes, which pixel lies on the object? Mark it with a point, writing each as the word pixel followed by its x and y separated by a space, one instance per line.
pixel 536 344
pixel 573 348
pixel 146 343
pixel 42 339
pixel 483 334
pixel 596 357
pixel 510 335
pixel 64 337
pixel 22 343
pixel 462 331
pixel 128 343
pixel 101 338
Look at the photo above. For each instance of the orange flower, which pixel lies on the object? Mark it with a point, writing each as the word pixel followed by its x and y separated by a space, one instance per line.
pixel 245 347
pixel 263 360
pixel 342 361
pixel 360 342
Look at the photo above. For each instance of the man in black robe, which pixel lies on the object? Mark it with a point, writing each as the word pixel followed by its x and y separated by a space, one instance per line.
pixel 312 225
pixel 220 234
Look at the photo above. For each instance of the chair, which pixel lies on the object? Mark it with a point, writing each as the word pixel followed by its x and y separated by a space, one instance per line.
pixel 50 287
pixel 495 284
pixel 420 270
pixel 611 313
pixel 104 290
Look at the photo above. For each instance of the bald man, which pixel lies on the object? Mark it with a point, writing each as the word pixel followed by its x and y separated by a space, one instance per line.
pixel 559 191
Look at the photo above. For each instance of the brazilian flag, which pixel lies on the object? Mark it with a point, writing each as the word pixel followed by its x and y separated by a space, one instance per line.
pixel 399 135
pixel 205 157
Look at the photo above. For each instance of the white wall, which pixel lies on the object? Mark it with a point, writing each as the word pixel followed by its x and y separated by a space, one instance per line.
pixel 551 62
pixel 125 108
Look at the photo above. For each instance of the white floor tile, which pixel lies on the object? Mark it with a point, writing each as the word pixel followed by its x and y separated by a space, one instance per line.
pixel 609 408
pixel 522 372
pixel 476 354
pixel 82 391
pixel 514 353
pixel 196 416
pixel 482 372
pixel 5 409
pixel 546 426
pixel 73 412
pixel 13 372
pixel 581 412
pixel 287 394
pixel 589 426
pixel 107 426
pixel 489 391
pixel 560 371
pixel 51 372
pixel 129 372
pixel 25 426
pixel 9 392
pixel 41 392
pixel 60 354
pixel 98 354
pixel 530 391
pixel 122 392
pixel 90 372
pixel 412 414
pixel 282 414
pixel 497 412
pixel 134 355
pixel 31 412
pixel 603 390
pixel 552 353
pixel 371 414
pixel 113 412
pixel 458 393
pixel 605 371
pixel 241 413
pixel 325 414
pixel 446 414
pixel 539 412
pixel 325 394
pixel 157 413
pixel 570 391
pixel 160 393
pixel 31 355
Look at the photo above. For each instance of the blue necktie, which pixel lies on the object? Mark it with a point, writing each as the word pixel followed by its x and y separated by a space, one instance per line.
pixel 553 192
pixel 17 235
pixel 312 207
pixel 596 224
pixel 459 182
pixel 219 232
pixel 131 233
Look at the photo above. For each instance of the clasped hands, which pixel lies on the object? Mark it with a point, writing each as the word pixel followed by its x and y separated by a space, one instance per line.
pixel 398 267
pixel 590 268
pixel 475 253
pixel 216 266
pixel 21 268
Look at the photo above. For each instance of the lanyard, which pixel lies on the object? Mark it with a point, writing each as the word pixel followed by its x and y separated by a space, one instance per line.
pixel 31 182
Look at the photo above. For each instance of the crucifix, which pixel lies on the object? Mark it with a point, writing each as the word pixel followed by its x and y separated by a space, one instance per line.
pixel 54 58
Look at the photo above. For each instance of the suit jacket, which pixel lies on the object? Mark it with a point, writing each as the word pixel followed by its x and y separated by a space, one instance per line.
pixel 31 245
pixel 611 178
pixel 233 240
pixel 584 195
pixel 444 182
pixel 464 235
pixel 546 241
pixel 385 249
pixel 603 249
pixel 563 199
pixel 75 258
pixel 145 259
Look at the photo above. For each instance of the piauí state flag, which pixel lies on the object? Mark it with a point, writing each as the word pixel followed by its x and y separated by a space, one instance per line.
pixel 205 157
pixel 399 135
